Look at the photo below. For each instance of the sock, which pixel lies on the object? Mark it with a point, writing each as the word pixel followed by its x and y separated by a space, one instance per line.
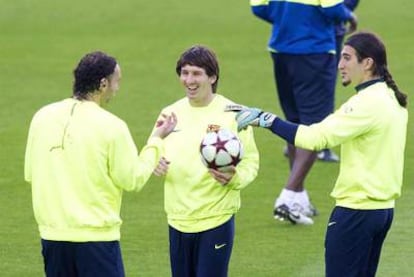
pixel 302 198
pixel 286 197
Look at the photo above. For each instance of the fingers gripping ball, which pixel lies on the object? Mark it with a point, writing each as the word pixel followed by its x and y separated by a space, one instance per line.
pixel 220 149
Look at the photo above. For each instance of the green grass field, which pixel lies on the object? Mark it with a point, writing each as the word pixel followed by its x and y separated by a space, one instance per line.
pixel 40 44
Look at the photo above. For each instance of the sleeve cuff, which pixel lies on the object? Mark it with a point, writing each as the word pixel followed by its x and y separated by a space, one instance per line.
pixel 284 129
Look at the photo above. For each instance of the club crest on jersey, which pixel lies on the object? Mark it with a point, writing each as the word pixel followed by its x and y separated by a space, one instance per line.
pixel 212 128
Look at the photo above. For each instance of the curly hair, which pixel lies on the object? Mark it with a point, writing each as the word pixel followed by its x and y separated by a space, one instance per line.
pixel 89 72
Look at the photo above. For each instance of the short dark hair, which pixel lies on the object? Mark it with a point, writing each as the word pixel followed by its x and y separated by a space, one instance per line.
pixel 203 57
pixel 369 45
pixel 89 72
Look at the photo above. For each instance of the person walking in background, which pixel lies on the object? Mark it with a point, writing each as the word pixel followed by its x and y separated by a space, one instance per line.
pixel 371 128
pixel 200 203
pixel 302 47
pixel 79 159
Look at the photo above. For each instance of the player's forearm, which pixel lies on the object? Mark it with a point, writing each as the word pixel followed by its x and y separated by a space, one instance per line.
pixel 284 129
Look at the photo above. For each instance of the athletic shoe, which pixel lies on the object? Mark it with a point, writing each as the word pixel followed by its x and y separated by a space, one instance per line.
pixel 310 210
pixel 327 155
pixel 284 213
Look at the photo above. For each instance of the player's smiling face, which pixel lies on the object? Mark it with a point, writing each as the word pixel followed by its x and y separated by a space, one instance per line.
pixel 197 84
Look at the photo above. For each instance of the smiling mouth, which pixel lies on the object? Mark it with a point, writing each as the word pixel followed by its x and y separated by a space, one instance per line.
pixel 192 88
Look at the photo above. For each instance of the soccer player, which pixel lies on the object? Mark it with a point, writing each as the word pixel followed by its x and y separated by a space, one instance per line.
pixel 371 129
pixel 200 203
pixel 302 48
pixel 79 160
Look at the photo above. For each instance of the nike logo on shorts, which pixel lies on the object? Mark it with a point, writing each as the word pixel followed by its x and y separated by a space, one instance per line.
pixel 219 246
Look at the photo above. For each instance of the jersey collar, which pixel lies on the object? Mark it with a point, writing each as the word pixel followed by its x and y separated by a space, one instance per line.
pixel 366 84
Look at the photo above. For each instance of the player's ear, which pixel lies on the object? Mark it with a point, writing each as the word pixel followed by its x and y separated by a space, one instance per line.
pixel 103 84
pixel 213 79
pixel 369 63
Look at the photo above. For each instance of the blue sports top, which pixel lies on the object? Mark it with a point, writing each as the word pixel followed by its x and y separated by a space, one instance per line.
pixel 340 29
pixel 301 26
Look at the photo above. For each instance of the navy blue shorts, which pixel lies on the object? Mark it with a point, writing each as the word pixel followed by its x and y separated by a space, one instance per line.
pixel 203 254
pixel 354 240
pixel 86 259
pixel 305 85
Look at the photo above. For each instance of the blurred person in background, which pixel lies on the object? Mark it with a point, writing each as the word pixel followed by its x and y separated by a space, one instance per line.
pixel 302 47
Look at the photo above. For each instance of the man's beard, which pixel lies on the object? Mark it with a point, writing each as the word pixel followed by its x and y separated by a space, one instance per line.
pixel 346 83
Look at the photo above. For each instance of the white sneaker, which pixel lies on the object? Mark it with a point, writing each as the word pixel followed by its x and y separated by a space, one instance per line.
pixel 327 155
pixel 310 210
pixel 294 214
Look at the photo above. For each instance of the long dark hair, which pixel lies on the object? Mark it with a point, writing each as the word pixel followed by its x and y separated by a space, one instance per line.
pixel 203 57
pixel 92 68
pixel 369 45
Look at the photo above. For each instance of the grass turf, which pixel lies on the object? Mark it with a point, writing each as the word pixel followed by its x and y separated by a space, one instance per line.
pixel 40 44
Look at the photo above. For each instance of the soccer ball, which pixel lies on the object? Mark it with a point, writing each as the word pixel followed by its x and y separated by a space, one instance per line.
pixel 220 149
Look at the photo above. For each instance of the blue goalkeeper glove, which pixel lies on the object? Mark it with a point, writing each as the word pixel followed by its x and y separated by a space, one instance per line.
pixel 251 116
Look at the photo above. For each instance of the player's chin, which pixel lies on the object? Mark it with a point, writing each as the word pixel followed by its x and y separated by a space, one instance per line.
pixel 345 82
pixel 191 93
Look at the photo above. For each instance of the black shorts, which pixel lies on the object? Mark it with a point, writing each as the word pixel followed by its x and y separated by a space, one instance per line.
pixel 354 240
pixel 202 254
pixel 71 259
pixel 305 85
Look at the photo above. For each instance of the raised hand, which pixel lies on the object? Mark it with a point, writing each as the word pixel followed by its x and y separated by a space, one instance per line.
pixel 248 116
pixel 165 125
pixel 251 116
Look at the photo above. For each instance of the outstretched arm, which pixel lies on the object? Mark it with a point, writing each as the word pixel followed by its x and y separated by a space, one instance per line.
pixel 256 117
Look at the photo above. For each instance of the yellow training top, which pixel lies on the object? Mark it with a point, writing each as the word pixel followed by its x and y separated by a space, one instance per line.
pixel 371 128
pixel 79 159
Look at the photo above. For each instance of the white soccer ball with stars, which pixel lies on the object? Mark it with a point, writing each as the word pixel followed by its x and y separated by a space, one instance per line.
pixel 220 149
